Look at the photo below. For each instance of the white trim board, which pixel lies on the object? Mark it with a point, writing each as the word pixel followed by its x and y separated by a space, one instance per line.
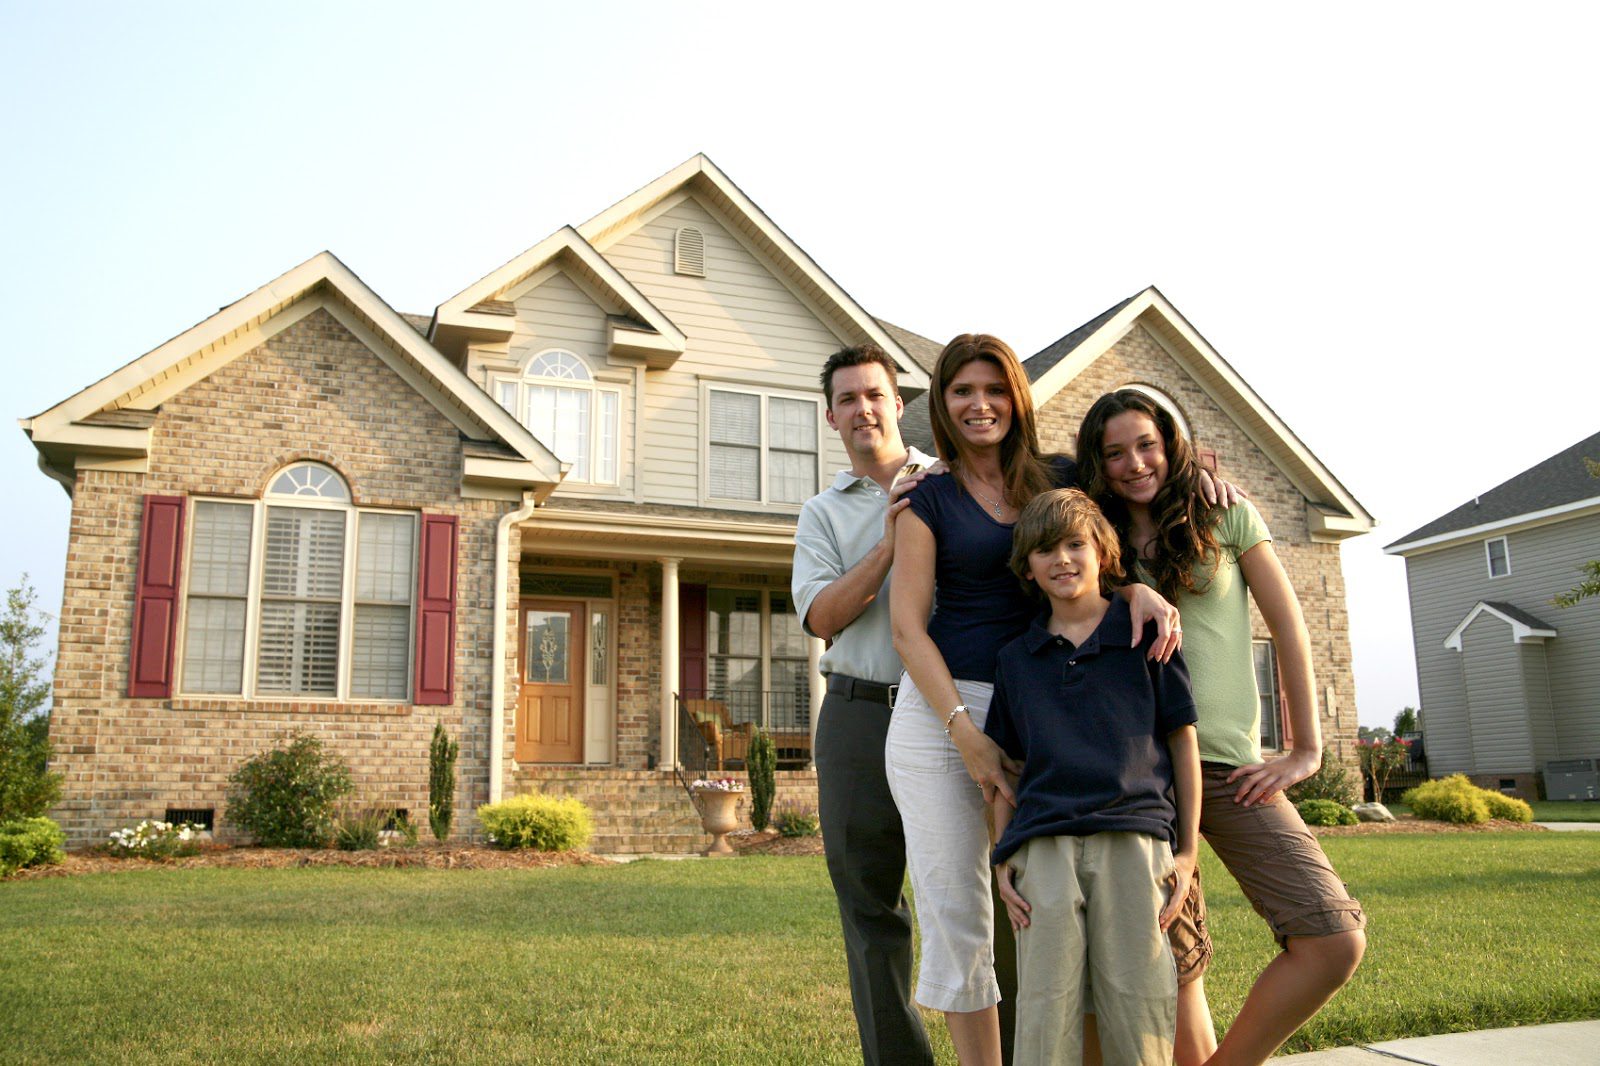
pixel 1521 632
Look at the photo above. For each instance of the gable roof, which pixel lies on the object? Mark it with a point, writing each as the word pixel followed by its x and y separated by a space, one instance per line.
pixel 700 176
pixel 113 418
pixel 1525 628
pixel 478 312
pixel 923 352
pixel 1559 485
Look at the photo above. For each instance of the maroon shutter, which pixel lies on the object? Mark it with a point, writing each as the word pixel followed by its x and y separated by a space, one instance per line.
pixel 155 598
pixel 692 641
pixel 436 611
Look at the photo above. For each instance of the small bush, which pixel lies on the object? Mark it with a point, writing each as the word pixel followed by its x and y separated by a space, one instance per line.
pixel 156 841
pixel 1448 799
pixel 29 842
pixel 797 822
pixel 287 797
pixel 442 754
pixel 1332 781
pixel 1326 812
pixel 1508 807
pixel 543 823
pixel 762 764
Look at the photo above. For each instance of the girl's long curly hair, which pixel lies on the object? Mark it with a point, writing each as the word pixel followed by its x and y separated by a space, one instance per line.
pixel 1025 470
pixel 1186 541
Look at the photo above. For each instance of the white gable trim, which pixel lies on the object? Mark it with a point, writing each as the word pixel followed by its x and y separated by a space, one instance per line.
pixel 750 223
pixel 1529 520
pixel 1521 632
pixel 1230 391
pixel 455 320
pixel 320 282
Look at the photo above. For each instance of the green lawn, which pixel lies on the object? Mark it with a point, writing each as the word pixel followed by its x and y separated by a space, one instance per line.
pixel 736 961
pixel 1565 811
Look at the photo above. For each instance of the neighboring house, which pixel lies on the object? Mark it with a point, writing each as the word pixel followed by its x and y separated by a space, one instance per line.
pixel 557 516
pixel 1145 343
pixel 1510 682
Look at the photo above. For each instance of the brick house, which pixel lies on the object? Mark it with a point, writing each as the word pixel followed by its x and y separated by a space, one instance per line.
pixel 556 516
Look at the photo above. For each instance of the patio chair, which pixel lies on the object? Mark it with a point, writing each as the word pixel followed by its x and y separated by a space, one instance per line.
pixel 729 740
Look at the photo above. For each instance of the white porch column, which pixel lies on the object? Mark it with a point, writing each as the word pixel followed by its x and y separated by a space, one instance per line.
pixel 669 664
pixel 819 684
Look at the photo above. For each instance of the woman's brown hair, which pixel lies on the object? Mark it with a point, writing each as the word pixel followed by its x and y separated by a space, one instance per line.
pixel 1025 472
pixel 1186 541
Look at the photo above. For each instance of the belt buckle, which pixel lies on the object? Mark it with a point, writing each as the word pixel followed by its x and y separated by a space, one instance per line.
pixel 893 691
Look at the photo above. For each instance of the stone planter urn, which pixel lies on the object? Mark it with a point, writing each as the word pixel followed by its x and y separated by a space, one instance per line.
pixel 718 816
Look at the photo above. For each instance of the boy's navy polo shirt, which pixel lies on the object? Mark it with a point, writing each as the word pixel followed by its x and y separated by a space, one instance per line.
pixel 1090 726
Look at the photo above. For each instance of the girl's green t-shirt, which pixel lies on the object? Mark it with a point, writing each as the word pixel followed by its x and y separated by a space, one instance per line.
pixel 1217 644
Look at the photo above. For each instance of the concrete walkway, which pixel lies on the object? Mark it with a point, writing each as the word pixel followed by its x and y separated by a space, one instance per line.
pixel 1565 1044
pixel 1572 827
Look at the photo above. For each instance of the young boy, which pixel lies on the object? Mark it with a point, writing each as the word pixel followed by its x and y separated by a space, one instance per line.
pixel 1094 861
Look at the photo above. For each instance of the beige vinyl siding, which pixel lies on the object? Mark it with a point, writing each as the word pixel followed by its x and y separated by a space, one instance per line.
pixel 746 330
pixel 557 313
pixel 1446 584
pixel 1501 741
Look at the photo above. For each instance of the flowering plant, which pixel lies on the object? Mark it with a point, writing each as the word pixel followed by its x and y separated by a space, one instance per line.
pixel 157 841
pixel 720 784
pixel 1380 759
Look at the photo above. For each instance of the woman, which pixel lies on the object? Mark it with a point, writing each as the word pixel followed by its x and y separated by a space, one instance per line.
pixel 956 536
pixel 1142 471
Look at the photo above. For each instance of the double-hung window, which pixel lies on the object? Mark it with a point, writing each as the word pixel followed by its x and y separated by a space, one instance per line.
pixel 761 448
pixel 558 400
pixel 1498 555
pixel 1269 693
pixel 301 594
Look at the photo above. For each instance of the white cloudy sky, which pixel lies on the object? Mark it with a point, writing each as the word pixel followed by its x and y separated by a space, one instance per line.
pixel 1382 214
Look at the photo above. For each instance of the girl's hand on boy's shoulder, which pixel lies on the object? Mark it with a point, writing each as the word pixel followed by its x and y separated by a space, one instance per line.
pixel 1017 908
pixel 1182 874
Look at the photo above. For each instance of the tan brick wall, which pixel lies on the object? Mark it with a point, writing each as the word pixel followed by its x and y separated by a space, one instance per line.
pixel 1313 569
pixel 311 392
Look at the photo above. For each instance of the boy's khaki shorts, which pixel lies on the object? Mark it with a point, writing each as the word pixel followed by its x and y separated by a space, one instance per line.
pixel 1276 860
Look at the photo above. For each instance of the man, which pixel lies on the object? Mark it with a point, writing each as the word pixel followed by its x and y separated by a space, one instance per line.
pixel 844 547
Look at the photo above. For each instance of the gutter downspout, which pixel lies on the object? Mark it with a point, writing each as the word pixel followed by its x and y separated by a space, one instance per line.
pixel 497 688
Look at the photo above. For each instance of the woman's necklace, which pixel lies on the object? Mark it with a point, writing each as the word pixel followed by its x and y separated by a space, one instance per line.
pixel 994 505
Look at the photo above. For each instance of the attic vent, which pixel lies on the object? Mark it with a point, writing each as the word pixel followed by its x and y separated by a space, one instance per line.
pixel 689 253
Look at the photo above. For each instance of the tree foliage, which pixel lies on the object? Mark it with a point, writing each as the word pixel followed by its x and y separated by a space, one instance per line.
pixel 1590 585
pixel 442 782
pixel 762 763
pixel 27 787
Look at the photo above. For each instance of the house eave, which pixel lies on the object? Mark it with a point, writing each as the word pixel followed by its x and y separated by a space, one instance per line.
pixel 1515 523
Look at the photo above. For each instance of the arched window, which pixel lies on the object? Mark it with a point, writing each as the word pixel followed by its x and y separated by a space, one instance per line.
pixel 558 400
pixel 285 620
pixel 1167 402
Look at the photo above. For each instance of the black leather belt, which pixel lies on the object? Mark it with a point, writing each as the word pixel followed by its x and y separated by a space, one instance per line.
pixel 855 688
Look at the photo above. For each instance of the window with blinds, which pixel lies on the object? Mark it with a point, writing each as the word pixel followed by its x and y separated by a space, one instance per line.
pixel 559 402
pixel 756 658
pixel 1266 661
pixel 323 608
pixel 761 448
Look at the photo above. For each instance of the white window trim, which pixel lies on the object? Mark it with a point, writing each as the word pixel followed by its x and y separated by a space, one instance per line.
pixel 1277 697
pixel 1488 557
pixel 763 500
pixel 594 386
pixel 253 601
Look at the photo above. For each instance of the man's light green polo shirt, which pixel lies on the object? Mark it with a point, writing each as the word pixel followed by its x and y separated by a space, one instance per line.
pixel 837 528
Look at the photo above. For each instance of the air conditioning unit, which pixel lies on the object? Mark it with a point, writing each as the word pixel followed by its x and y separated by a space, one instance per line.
pixel 1571 779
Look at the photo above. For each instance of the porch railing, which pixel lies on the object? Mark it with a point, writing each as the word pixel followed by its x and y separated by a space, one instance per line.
pixel 695 755
pixel 715 728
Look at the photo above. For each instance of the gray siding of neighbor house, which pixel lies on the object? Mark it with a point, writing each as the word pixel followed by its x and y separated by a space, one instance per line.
pixel 1445 585
pixel 1492 669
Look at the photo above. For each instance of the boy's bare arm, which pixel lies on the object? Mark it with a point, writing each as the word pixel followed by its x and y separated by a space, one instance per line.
pixel 1184 747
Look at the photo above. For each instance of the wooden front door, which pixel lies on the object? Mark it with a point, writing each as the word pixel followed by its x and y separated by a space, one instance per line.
pixel 552 675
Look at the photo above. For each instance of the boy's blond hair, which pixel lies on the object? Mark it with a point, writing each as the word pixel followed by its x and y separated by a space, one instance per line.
pixel 1048 520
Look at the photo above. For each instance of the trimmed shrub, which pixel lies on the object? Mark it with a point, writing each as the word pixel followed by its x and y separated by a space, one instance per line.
pixel 1332 781
pixel 1326 812
pixel 30 842
pixel 288 797
pixel 441 782
pixel 797 822
pixel 1448 799
pixel 762 764
pixel 1508 807
pixel 543 823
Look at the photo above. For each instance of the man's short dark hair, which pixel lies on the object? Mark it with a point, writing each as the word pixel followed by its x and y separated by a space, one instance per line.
pixel 860 355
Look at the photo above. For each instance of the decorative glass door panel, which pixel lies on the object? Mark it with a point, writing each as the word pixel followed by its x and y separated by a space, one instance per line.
pixel 551 665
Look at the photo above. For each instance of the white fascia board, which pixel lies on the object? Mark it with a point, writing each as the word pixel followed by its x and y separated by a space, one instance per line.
pixel 509 473
pixel 1528 520
pixel 457 311
pixel 702 168
pixel 1521 632
pixel 1327 527
pixel 101 440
